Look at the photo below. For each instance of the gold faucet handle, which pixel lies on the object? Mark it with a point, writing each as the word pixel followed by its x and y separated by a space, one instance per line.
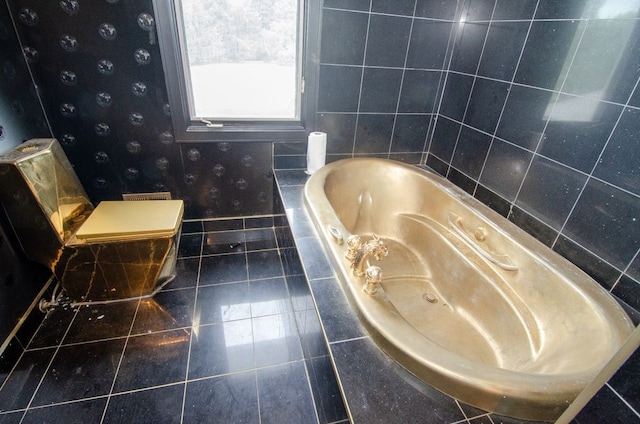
pixel 353 244
pixel 372 278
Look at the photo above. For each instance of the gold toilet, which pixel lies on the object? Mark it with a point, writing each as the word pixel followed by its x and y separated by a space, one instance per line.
pixel 118 250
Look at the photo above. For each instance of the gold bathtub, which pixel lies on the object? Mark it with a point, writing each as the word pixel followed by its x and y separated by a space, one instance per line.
pixel 468 302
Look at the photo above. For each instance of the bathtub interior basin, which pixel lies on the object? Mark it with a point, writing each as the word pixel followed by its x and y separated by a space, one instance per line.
pixel 468 302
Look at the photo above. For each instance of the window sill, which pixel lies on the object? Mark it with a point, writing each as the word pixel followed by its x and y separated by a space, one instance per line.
pixel 253 133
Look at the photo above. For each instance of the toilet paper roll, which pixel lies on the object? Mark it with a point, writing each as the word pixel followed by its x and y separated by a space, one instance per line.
pixel 316 151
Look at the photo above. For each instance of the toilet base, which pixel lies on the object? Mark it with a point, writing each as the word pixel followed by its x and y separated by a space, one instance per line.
pixel 111 271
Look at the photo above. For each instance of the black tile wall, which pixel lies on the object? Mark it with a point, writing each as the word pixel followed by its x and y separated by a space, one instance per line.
pixel 523 118
pixel 556 40
pixel 502 50
pixel 380 73
pixel 539 121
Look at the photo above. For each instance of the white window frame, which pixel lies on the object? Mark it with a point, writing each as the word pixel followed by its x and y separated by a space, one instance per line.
pixel 190 129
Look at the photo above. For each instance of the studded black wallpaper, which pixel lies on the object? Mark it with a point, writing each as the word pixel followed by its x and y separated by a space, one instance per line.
pixel 21 115
pixel 21 118
pixel 98 66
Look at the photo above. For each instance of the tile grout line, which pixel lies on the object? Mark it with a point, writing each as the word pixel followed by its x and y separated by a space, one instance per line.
pixel 253 343
pixel 124 349
pixel 404 71
pixel 295 320
pixel 44 374
pixel 473 85
pixel 504 105
pixel 544 129
pixel 364 61
pixel 595 166
pixel 193 314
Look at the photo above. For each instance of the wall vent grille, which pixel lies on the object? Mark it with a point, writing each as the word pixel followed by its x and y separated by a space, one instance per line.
pixel 162 195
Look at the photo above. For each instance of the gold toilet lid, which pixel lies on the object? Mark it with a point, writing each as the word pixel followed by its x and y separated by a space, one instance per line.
pixel 117 220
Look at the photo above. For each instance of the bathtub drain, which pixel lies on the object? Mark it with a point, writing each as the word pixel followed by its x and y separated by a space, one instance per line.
pixel 429 297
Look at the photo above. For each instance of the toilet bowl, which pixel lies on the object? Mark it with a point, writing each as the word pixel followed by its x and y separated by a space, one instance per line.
pixel 117 250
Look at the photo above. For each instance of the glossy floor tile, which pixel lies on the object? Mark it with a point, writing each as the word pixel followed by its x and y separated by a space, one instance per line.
pixel 233 338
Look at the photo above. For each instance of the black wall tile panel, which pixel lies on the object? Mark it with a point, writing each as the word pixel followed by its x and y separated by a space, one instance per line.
pixel 340 129
pixel 549 48
pixel 514 10
pixel 409 133
pixel 419 91
pixel 550 190
pixel 485 104
pixel 344 36
pixel 444 139
pixel 578 121
pixel 363 5
pixel 471 151
pixel 505 168
pixel 388 40
pixel 622 152
pixel 456 94
pixel 380 90
pixel 436 9
pixel 604 220
pixel 368 89
pixel 429 44
pixel 468 48
pixel 339 88
pixel 501 53
pixel 525 116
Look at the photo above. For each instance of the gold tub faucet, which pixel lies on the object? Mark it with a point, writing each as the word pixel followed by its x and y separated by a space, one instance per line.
pixel 358 253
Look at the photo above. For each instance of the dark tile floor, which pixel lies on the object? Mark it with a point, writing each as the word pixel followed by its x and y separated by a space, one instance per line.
pixel 233 339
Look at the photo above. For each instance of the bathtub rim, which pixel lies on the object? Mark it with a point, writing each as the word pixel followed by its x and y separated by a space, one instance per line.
pixel 444 374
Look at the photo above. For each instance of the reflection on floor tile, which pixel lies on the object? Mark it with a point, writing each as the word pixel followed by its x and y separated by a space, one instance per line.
pixel 269 296
pixel 23 381
pixel 223 302
pixel 145 406
pixel 221 348
pixel 326 393
pixel 80 371
pixel 186 274
pixel 223 269
pixel 387 391
pixel 53 328
pixel 264 264
pixel 146 354
pixel 229 398
pixel 190 245
pixel 231 339
pixel 285 395
pixel 102 321
pixel 276 340
pixel 261 239
pixel 224 242
pixel 88 411
pixel 165 311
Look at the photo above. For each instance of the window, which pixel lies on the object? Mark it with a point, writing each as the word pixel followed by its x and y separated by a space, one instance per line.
pixel 239 70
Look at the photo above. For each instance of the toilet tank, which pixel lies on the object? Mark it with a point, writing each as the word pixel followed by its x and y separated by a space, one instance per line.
pixel 42 198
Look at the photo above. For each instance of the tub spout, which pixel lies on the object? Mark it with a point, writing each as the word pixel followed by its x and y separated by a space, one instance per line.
pixel 359 253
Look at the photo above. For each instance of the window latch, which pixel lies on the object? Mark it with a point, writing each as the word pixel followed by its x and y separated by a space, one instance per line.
pixel 210 124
